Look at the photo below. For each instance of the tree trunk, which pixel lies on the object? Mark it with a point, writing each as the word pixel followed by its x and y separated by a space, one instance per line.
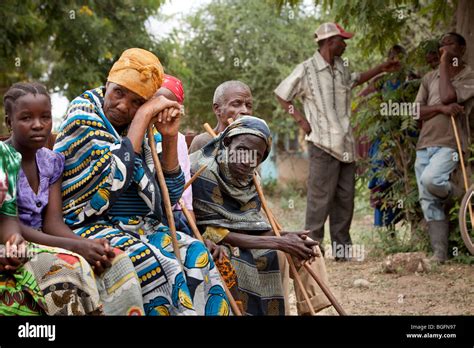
pixel 3 128
pixel 465 27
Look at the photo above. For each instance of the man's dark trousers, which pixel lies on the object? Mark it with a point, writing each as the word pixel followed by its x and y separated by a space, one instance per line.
pixel 331 188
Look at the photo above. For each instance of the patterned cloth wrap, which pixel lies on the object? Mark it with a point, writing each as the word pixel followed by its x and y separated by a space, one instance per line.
pixel 222 203
pixel 101 173
pixel 219 199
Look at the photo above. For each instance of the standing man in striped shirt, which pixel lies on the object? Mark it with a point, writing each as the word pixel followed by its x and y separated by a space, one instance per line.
pixel 324 83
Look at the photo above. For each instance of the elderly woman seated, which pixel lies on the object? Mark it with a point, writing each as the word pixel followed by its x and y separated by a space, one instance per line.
pixel 227 210
pixel 110 191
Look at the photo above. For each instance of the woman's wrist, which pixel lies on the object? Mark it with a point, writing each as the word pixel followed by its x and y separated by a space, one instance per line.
pixel 72 245
pixel 170 153
pixel 142 117
pixel 173 171
pixel 275 242
pixel 170 138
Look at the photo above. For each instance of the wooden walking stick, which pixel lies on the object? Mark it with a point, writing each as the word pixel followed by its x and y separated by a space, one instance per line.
pixel 197 234
pixel 194 177
pixel 323 286
pixel 293 270
pixel 164 192
pixel 461 159
pixel 169 211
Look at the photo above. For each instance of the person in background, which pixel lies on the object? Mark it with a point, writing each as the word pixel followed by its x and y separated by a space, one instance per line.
pixel 444 92
pixel 385 215
pixel 232 99
pixel 172 89
pixel 324 83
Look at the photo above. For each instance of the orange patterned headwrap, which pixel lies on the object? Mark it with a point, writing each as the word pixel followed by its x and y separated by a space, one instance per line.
pixel 138 70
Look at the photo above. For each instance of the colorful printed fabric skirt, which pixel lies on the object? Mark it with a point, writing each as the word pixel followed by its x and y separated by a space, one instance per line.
pixel 58 282
pixel 190 286
pixel 259 280
pixel 119 289
pixel 54 282
pixel 20 293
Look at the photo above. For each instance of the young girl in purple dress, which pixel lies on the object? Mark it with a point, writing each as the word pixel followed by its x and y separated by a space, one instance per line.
pixel 32 276
pixel 28 117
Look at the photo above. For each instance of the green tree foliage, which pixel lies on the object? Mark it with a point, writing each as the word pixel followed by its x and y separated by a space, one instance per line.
pixel 69 45
pixel 245 40
pixel 397 134
pixel 384 22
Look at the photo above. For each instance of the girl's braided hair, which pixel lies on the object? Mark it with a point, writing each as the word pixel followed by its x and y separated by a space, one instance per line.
pixel 21 89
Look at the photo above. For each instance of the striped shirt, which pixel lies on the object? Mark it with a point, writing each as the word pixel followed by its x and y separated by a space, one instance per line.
pixel 326 95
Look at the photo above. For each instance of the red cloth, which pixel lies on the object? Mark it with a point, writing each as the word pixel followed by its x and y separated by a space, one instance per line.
pixel 174 85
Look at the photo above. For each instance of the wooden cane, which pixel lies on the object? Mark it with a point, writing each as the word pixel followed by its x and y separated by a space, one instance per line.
pixel 461 159
pixel 291 263
pixel 293 270
pixel 169 211
pixel 197 234
pixel 281 229
pixel 194 177
pixel 209 130
pixel 164 192
pixel 233 303
pixel 277 228
pixel 323 286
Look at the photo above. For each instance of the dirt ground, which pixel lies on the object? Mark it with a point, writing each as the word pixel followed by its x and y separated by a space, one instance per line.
pixel 446 290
